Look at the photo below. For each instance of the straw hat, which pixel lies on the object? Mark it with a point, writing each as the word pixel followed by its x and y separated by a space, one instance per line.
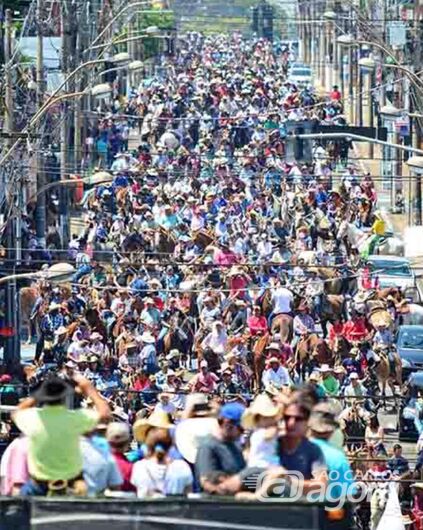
pixel 147 338
pixel 158 419
pixel 261 406
pixel 380 318
pixel 190 435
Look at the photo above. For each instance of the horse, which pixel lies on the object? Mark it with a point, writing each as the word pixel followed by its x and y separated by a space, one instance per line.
pixel 132 243
pixel 389 245
pixel 28 296
pixel 180 336
pixel 333 307
pixel 304 352
pixel 383 372
pixel 282 324
pixel 166 243
pixel 258 359
pixel 95 323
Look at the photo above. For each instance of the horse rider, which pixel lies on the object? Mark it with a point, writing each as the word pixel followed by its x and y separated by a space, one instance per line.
pixel 314 290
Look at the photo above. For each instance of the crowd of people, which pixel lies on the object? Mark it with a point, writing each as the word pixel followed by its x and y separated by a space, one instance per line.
pixel 219 280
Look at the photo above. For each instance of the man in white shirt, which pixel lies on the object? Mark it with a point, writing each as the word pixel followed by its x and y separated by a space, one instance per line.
pixel 282 300
pixel 276 374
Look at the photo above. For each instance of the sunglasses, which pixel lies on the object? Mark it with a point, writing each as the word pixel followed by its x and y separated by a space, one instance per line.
pixel 288 417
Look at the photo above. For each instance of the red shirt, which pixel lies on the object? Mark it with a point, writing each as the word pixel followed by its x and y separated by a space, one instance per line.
pixel 225 258
pixel 257 324
pixel 355 330
pixel 141 384
pixel 125 468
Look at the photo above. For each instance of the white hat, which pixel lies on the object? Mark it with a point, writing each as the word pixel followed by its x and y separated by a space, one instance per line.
pixel 354 375
pixel 191 433
pixel 147 337
pixel 325 368
pixel 62 330
pixel 117 432
pixel 204 364
pixel 261 406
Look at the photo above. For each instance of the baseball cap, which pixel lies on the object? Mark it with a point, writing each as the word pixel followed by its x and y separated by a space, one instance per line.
pixel 117 432
pixel 232 412
pixel 354 375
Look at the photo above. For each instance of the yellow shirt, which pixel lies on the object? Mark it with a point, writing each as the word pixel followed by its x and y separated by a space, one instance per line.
pixel 378 227
pixel 54 440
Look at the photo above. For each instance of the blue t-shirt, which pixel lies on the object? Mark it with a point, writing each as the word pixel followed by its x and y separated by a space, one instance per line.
pixel 306 459
pixel 340 476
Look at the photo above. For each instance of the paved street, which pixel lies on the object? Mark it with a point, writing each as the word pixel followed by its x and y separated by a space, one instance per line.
pixel 211 260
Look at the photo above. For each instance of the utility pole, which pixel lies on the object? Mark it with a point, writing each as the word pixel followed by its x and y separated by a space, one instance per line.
pixel 11 349
pixel 40 213
pixel 64 127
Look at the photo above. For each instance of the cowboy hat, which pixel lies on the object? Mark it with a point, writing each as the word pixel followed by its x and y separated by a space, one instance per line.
pixel 62 330
pixel 96 336
pixel 273 346
pixel 191 433
pixel 380 318
pixel 52 390
pixel 271 390
pixel 325 368
pixel 53 306
pixel 147 338
pixel 261 406
pixel 273 360
pixel 173 354
pixel 158 419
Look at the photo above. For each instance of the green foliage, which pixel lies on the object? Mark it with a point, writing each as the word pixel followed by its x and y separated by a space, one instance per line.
pixel 164 20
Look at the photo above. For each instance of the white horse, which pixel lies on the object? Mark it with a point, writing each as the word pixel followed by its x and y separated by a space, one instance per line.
pixel 414 315
pixel 391 245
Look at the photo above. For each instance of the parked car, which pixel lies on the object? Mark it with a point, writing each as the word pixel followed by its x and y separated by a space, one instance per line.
pixel 300 74
pixel 409 343
pixel 395 271
pixel 407 431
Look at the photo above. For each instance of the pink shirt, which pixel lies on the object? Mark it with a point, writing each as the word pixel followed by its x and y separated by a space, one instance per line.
pixel 14 465
pixel 225 258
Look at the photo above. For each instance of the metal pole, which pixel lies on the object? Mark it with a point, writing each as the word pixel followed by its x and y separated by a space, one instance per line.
pixel 371 84
pixel 11 349
pixel 360 98
pixel 64 133
pixel 417 200
pixel 40 212
pixel 350 86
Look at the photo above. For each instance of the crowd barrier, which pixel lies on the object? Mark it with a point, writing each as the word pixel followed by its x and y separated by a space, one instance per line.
pixel 165 514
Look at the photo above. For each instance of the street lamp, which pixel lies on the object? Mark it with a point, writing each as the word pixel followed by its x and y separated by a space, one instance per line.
pixel 345 41
pixel 367 66
pixel 57 273
pixel 389 116
pixel 415 164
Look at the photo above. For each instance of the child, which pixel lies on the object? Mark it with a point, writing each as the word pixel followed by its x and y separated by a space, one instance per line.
pixel 262 418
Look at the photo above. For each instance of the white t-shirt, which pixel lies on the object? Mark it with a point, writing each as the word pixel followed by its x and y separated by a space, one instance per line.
pixel 282 299
pixel 151 478
pixel 279 378
pixel 263 453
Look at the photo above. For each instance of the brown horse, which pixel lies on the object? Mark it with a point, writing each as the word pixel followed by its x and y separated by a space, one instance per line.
pixel 258 348
pixel 333 307
pixel 28 297
pixel 304 353
pixel 282 324
pixel 383 372
pixel 166 243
